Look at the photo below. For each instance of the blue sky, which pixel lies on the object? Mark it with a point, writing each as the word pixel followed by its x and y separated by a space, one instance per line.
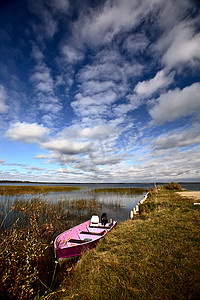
pixel 100 91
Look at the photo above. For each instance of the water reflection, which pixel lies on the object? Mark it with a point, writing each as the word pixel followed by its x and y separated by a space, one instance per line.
pixel 116 206
pixel 76 206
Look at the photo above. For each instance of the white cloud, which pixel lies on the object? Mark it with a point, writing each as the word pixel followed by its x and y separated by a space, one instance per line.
pixel 114 17
pixel 108 66
pixel 70 147
pixel 96 104
pixel 109 70
pixel 49 13
pixel 175 104
pixel 102 83
pixel 60 6
pixel 35 168
pixel 98 132
pixel 84 147
pixel 60 158
pixel 63 170
pixel 27 133
pixel 48 25
pixel 135 43
pixel 191 46
pixel 3 97
pixel 181 45
pixel 176 139
pixel 71 54
pixel 92 132
pixel 92 87
pixel 44 156
pixel 36 53
pixel 42 79
pixel 157 166
pixel 134 101
pixel 50 106
pixel 101 131
pixel 100 71
pixel 172 12
pixel 148 87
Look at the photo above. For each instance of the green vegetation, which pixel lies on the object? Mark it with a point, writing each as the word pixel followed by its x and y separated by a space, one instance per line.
pixel 155 256
pixel 121 191
pixel 173 186
pixel 30 189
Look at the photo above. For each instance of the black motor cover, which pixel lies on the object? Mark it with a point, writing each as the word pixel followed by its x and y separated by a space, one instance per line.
pixel 104 219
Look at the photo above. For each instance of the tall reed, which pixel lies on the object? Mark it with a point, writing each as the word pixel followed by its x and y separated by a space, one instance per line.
pixel 121 191
pixel 30 189
pixel 26 247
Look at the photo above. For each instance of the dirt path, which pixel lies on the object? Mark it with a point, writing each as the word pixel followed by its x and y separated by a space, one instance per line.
pixel 195 195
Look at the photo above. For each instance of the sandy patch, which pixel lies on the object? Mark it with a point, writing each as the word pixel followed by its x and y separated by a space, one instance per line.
pixel 195 195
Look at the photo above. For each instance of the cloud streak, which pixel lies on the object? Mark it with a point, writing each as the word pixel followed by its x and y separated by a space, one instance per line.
pixel 149 87
pixel 3 97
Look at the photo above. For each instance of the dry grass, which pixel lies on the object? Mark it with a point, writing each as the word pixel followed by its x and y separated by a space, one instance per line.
pixel 120 191
pixel 27 227
pixel 153 257
pixel 30 189
pixel 25 248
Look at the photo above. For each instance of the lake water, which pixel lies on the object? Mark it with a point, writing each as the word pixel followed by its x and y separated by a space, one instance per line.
pixel 190 186
pixel 116 206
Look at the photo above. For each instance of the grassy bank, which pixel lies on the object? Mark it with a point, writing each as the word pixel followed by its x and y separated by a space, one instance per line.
pixel 30 189
pixel 155 256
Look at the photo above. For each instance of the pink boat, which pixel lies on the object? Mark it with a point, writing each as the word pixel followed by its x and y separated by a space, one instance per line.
pixel 78 239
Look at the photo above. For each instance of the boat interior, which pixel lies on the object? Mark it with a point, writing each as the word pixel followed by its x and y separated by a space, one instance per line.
pixel 86 232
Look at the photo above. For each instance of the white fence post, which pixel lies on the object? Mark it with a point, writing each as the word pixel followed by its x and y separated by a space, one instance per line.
pixel 136 208
pixel 132 215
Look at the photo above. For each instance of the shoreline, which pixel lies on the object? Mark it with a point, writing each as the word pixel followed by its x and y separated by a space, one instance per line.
pixel 190 194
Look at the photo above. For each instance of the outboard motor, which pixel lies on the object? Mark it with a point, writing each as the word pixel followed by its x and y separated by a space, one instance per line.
pixel 104 219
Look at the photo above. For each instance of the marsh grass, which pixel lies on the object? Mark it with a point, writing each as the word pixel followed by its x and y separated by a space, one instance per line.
pixel 27 229
pixel 25 248
pixel 155 256
pixel 30 189
pixel 121 191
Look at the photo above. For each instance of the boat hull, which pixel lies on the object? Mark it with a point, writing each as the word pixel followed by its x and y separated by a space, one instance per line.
pixel 77 240
pixel 75 250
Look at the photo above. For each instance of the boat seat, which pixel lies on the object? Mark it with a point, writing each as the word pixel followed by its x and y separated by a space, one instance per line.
pixel 95 221
pixel 101 227
pixel 76 241
pixel 92 233
pixel 79 241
